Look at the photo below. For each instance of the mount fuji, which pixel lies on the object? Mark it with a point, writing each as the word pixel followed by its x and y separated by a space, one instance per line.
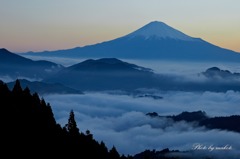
pixel 156 40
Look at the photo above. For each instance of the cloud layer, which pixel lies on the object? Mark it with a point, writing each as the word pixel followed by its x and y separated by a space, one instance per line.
pixel 120 120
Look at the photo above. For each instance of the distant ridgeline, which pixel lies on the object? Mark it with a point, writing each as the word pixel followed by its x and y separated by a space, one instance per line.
pixel 30 130
pixel 200 118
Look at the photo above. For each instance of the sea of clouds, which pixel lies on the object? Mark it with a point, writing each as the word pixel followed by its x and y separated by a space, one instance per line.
pixel 121 120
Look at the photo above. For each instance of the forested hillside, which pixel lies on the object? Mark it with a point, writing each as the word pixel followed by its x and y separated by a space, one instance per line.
pixel 29 129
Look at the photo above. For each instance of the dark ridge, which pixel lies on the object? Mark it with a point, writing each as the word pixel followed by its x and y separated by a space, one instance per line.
pixel 215 72
pixel 30 130
pixel 229 123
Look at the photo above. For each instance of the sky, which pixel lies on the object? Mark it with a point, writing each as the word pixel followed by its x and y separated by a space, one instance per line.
pixel 40 25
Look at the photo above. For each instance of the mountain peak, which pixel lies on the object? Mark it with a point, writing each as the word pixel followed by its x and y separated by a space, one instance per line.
pixel 104 64
pixel 160 30
pixel 3 50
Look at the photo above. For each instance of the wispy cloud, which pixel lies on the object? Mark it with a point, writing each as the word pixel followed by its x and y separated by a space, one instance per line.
pixel 6 78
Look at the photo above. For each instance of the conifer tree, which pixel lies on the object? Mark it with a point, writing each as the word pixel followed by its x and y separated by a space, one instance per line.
pixel 72 125
pixel 3 89
pixel 113 153
pixel 17 87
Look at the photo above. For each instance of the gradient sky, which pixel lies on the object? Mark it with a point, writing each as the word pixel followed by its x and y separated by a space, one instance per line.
pixel 38 25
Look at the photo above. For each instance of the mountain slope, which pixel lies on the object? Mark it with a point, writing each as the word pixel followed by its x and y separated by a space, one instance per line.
pixel 155 40
pixel 104 74
pixel 14 66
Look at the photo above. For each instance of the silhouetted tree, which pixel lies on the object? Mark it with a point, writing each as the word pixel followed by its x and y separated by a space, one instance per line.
pixel 89 135
pixel 17 87
pixel 113 154
pixel 4 91
pixel 72 125
pixel 103 150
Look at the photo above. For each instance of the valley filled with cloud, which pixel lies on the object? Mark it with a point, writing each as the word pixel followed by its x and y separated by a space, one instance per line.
pixel 121 120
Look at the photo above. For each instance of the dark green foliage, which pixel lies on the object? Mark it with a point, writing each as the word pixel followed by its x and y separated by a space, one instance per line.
pixel 29 129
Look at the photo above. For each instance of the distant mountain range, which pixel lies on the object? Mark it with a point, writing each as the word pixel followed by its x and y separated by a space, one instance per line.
pixel 107 74
pixel 155 40
pixel 113 74
pixel 15 66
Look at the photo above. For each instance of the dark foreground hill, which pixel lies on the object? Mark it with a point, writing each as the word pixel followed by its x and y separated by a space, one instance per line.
pixel 29 130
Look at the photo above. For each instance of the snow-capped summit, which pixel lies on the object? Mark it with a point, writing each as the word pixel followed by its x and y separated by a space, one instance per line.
pixel 159 30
